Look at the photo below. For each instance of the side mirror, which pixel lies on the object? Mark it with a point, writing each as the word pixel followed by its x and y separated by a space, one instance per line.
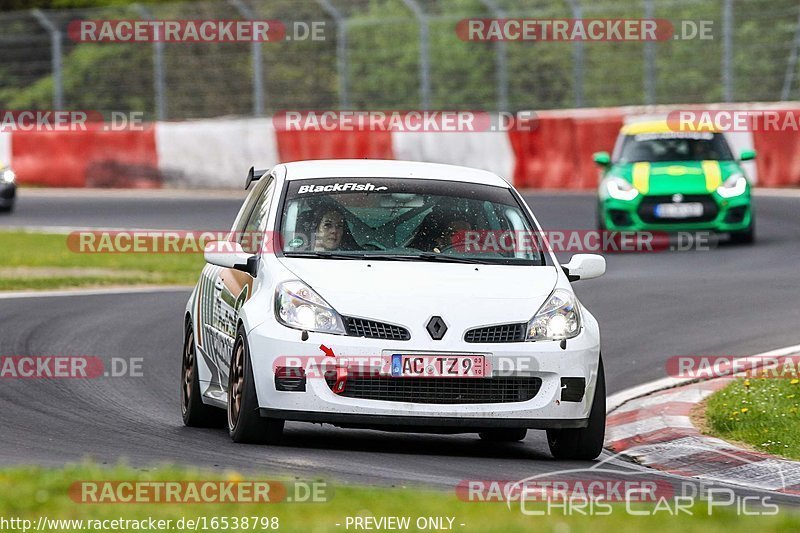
pixel 747 155
pixel 602 158
pixel 229 254
pixel 585 266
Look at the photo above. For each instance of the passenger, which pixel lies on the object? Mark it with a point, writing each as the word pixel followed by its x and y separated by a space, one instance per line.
pixel 440 231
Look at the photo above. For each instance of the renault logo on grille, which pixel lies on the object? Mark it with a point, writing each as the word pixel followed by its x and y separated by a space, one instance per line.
pixel 436 328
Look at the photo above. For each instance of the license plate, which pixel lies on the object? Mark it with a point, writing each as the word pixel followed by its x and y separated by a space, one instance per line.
pixel 439 366
pixel 690 210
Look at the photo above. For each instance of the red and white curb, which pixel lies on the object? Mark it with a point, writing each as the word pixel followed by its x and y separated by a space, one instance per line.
pixel 653 428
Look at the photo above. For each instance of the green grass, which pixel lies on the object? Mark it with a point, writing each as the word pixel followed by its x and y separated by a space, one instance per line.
pixel 762 412
pixel 46 261
pixel 31 492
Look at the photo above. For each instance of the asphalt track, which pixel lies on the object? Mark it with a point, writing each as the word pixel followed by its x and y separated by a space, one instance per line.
pixel 735 300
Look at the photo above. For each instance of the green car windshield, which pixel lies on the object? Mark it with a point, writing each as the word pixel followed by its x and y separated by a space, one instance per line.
pixel 674 146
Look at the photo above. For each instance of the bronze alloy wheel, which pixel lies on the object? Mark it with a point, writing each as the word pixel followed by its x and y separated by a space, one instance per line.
pixel 188 373
pixel 236 385
pixel 245 423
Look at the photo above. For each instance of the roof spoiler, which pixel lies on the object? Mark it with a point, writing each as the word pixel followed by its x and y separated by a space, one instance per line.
pixel 254 175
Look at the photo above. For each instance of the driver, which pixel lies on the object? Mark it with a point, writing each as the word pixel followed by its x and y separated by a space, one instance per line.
pixel 329 231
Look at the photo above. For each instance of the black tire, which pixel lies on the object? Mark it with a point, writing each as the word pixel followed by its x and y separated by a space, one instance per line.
pixel 747 236
pixel 583 443
pixel 195 413
pixel 503 434
pixel 7 209
pixel 245 424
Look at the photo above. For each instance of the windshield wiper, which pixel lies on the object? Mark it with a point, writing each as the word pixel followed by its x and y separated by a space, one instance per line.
pixel 323 255
pixel 431 256
pixel 424 256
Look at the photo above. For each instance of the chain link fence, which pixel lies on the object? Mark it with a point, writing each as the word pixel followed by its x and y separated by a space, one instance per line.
pixel 398 54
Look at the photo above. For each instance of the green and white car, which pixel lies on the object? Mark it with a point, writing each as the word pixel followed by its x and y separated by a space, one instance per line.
pixel 659 179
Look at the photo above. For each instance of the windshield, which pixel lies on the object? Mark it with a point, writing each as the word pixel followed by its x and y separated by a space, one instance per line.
pixel 403 219
pixel 674 146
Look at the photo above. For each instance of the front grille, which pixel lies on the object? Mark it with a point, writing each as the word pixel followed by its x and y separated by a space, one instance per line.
pixel 440 390
pixel 501 333
pixel 647 209
pixel 372 329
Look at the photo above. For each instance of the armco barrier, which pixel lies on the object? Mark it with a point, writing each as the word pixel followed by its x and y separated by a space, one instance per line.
pixel 5 148
pixel 555 154
pixel 90 158
pixel 214 153
pixel 778 155
pixel 484 150
pixel 297 145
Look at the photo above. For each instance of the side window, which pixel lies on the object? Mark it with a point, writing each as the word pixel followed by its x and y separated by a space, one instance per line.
pixel 251 235
pixel 247 206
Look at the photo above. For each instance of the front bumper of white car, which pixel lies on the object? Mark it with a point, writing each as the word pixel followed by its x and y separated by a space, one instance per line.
pixel 532 384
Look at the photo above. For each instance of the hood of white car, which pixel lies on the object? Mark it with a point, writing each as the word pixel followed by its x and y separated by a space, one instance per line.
pixel 409 293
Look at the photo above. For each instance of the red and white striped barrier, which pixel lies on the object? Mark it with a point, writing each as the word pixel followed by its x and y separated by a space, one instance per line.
pixel 214 153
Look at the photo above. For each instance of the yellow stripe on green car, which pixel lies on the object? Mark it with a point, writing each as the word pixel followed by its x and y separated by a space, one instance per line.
pixel 641 176
pixel 713 175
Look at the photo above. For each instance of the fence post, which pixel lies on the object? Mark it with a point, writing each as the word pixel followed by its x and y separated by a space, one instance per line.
pixel 649 60
pixel 159 92
pixel 501 58
pixel 55 57
pixel 258 76
pixel 424 53
pixel 577 57
pixel 727 50
pixel 341 51
pixel 791 67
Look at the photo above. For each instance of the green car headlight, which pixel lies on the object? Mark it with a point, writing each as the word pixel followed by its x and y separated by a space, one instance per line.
pixel 619 189
pixel 7 176
pixel 733 186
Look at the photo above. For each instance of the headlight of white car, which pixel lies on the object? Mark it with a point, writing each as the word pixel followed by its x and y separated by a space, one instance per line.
pixel 559 318
pixel 7 176
pixel 619 189
pixel 733 186
pixel 298 306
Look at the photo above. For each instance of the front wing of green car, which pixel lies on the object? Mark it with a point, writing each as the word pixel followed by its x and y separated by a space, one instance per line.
pixel 675 196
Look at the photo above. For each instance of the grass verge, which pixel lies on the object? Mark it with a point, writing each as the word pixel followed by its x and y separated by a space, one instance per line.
pixel 763 412
pixel 46 261
pixel 32 492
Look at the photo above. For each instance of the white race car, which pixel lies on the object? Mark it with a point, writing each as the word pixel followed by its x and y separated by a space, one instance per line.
pixel 373 294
